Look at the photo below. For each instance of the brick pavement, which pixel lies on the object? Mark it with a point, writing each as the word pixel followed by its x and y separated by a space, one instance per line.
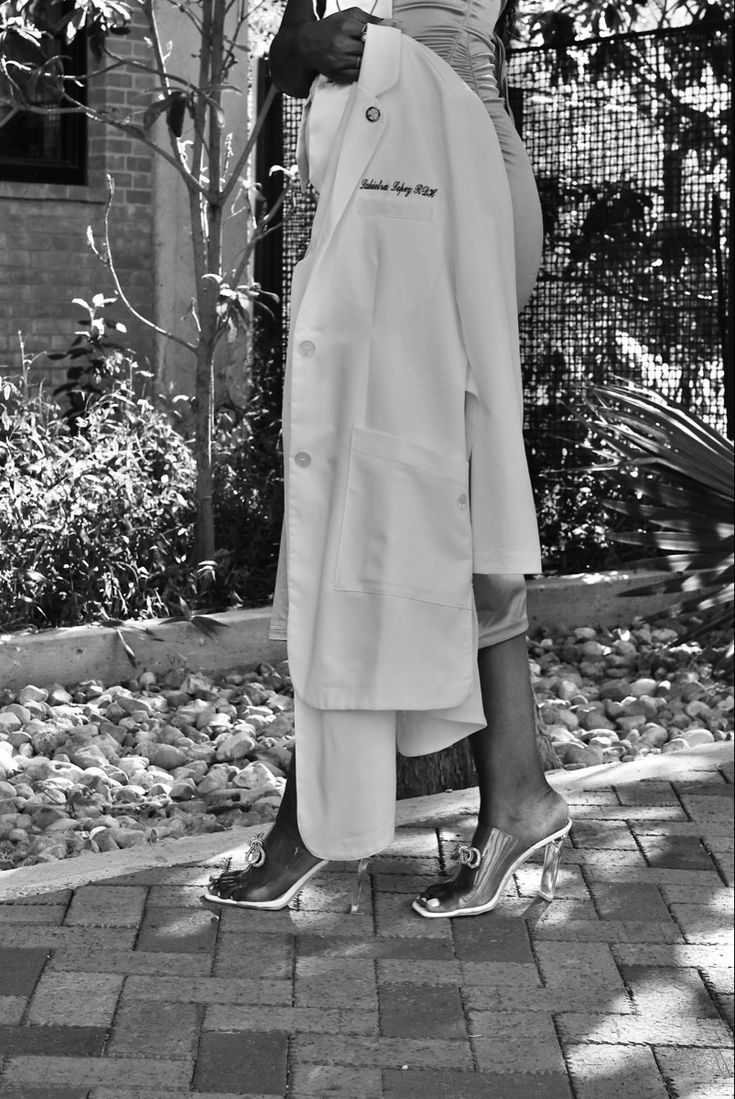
pixel 129 989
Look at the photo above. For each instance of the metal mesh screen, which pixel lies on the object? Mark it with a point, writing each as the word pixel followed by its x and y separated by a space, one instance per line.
pixel 628 139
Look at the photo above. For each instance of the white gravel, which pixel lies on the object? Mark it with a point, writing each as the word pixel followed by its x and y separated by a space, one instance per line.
pixel 95 768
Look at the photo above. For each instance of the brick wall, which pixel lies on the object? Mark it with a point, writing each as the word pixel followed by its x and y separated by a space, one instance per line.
pixel 45 260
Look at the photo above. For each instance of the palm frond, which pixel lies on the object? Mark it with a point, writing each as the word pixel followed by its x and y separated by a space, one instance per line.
pixel 677 472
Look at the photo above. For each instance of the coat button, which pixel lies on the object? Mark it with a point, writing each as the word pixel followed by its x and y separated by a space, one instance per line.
pixel 302 458
pixel 462 502
pixel 307 348
pixel 372 114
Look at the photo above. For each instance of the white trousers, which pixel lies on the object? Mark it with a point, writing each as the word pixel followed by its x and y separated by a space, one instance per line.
pixel 346 759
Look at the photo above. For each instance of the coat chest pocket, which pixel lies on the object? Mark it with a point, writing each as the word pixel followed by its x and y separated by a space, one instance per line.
pixel 406 525
pixel 405 208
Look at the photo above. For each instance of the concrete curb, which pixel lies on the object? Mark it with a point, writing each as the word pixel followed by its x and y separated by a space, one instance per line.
pixel 29 881
pixel 77 653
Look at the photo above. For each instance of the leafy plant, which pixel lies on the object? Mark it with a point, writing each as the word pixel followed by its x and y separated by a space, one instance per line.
pixel 95 522
pixel 679 472
pixel 95 359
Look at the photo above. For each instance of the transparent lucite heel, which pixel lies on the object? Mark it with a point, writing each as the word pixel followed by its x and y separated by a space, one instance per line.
pixel 550 871
pixel 360 877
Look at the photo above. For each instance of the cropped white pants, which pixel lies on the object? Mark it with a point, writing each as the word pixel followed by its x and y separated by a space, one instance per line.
pixel 346 769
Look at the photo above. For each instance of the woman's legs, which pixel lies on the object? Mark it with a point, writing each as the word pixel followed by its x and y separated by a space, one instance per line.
pixel 514 794
pixel 518 808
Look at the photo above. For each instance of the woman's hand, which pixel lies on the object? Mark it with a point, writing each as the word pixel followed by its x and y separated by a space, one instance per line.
pixel 334 46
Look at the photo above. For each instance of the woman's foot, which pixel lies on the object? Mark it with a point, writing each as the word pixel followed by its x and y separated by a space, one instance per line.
pixel 277 868
pixel 498 848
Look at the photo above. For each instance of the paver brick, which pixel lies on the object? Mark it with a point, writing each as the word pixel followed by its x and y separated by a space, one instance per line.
pixel 675 852
pixel 43 1091
pixel 611 931
pixel 63 938
pixel 575 798
pixel 62 1040
pixel 174 896
pixel 599 1072
pixel 615 835
pixel 418 1084
pixel 20 970
pixel 144 1093
pixel 77 960
pixel 148 1028
pixel 335 982
pixel 719 898
pixel 86 999
pixel 106 906
pixel 651 792
pixel 177 930
pixel 491 937
pixel 58 896
pixel 255 1060
pixel 208 990
pixel 697 1063
pixel 707 807
pixel 642 1030
pixel 290 1020
pixel 515 1042
pixel 512 974
pixel 701 924
pixel 254 956
pixel 629 903
pixel 588 964
pixel 428 1012
pixel 629 812
pixel 500 997
pixel 399 947
pixel 684 954
pixel 662 990
pixel 355 927
pixel 12 1009
pixel 327 1081
pixel 408 885
pixel 28 914
pixel 417 972
pixel 130 1072
pixel 360 1052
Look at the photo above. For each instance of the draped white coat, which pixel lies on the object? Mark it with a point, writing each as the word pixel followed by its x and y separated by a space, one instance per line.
pixel 404 462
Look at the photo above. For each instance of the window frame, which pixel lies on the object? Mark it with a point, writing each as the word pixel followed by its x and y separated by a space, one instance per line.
pixel 70 167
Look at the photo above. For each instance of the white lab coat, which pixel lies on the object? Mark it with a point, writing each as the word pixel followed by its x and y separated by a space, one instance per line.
pixel 404 462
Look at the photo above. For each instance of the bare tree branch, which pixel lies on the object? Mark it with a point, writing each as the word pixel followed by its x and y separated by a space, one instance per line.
pixel 109 263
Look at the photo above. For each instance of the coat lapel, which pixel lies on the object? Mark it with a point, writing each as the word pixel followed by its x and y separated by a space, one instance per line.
pixel 360 132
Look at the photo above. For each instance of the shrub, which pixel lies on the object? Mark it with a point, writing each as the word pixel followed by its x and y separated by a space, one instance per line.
pixel 94 521
pixel 248 484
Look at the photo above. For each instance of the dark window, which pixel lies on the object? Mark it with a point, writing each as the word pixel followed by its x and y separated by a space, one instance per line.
pixel 48 147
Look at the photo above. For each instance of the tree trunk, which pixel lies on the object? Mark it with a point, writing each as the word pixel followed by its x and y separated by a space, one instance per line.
pixel 203 428
pixel 453 768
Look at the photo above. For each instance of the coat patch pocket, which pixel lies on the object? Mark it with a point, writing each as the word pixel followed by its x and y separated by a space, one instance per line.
pixel 406 525
pixel 408 207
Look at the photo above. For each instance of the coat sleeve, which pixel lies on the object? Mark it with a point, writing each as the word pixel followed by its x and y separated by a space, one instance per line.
pixel 505 533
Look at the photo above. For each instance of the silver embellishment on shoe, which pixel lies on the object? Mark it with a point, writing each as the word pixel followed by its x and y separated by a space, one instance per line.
pixel 255 853
pixel 468 856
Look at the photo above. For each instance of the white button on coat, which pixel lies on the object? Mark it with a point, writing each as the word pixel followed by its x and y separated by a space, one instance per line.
pixel 409 281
